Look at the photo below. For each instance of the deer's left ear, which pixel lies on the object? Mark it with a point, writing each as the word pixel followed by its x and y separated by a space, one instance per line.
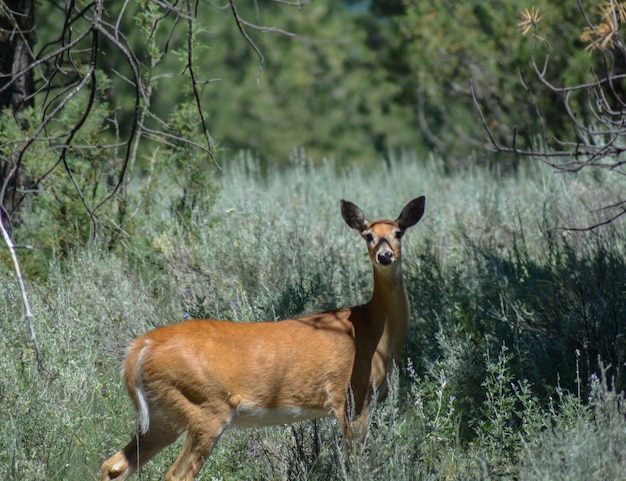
pixel 353 216
pixel 411 214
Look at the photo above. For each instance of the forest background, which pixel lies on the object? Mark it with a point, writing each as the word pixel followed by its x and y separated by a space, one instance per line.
pixel 163 149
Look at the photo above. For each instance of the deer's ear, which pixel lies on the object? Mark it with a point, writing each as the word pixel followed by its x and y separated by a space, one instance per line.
pixel 412 213
pixel 353 216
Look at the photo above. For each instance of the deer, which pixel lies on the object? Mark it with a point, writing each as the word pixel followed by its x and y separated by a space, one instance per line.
pixel 201 376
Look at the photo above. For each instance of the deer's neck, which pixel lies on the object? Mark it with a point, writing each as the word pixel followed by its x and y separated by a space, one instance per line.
pixel 389 308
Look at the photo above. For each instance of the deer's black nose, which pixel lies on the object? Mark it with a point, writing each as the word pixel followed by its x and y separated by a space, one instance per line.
pixel 385 257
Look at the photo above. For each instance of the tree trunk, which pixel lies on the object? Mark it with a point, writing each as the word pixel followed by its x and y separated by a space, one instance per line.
pixel 17 36
pixel 16 40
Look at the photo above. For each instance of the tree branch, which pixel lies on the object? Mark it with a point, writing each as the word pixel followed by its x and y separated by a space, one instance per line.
pixel 28 315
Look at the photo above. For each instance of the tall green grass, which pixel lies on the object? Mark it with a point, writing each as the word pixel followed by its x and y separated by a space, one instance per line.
pixel 510 318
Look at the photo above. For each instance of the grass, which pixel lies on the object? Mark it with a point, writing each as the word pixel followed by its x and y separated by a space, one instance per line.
pixel 501 379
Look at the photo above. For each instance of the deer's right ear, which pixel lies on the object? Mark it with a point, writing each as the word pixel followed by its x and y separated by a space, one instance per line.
pixel 353 216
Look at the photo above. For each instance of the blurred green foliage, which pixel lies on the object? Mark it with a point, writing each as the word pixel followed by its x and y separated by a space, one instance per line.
pixel 321 88
pixel 352 81
pixel 357 80
pixel 435 49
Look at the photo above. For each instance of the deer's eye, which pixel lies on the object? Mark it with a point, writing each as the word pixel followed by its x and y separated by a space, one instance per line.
pixel 369 238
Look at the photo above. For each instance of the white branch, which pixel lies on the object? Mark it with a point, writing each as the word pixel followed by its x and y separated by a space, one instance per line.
pixel 28 315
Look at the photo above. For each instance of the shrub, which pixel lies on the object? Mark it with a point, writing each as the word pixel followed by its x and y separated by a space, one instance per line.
pixel 484 269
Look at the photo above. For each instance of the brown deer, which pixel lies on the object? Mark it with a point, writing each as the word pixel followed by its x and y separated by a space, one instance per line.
pixel 201 376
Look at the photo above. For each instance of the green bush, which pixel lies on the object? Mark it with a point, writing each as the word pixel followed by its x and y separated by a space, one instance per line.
pixel 587 446
pixel 485 268
pixel 437 51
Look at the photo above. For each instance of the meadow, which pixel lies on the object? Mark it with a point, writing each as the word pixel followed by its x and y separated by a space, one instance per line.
pixel 513 368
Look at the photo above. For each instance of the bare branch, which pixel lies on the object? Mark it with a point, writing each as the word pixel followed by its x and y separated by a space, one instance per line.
pixel 293 4
pixel 596 226
pixel 245 35
pixel 196 93
pixel 28 315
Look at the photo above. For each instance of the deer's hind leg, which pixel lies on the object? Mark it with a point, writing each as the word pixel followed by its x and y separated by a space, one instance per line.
pixel 137 452
pixel 203 432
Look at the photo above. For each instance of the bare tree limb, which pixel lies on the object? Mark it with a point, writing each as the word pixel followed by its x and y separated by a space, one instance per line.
pixel 28 315
pixel 245 35
pixel 608 221
pixel 196 93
